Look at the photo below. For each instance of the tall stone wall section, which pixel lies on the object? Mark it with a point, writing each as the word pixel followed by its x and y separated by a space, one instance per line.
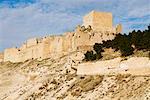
pixel 11 55
pixel 53 46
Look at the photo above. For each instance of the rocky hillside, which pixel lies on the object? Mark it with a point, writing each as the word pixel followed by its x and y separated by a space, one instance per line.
pixel 56 79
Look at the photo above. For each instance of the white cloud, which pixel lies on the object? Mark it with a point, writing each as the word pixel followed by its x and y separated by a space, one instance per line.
pixel 25 22
pixel 57 16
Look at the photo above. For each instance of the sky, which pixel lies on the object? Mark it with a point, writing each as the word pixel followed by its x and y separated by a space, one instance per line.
pixel 24 19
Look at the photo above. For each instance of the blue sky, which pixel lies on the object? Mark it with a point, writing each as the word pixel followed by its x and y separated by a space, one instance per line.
pixel 23 19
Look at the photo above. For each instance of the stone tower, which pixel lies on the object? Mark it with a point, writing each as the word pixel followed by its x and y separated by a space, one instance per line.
pixel 99 21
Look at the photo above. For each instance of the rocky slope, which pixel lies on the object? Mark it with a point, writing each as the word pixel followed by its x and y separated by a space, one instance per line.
pixel 56 79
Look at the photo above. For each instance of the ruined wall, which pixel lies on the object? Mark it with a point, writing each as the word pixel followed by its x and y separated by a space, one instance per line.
pixel 55 46
pixel 81 39
pixel 98 37
pixel 85 40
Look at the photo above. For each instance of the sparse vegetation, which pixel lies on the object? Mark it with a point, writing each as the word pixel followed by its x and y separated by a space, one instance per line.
pixel 96 54
pixel 90 56
pixel 127 44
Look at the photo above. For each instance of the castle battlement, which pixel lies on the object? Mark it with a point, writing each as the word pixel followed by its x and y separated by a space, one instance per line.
pixel 83 38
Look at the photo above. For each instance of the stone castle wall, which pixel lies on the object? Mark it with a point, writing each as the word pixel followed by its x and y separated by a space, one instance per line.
pixel 55 46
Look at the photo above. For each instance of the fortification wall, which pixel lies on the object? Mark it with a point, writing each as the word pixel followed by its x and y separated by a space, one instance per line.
pixel 45 47
pixel 54 46
pixel 31 42
pixel 10 54
pixel 67 42
pixel 81 39
pixel 86 40
pixel 32 52
pixel 29 50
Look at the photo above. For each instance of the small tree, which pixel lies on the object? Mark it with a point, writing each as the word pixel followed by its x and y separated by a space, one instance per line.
pixel 98 48
pixel 126 51
pixel 89 56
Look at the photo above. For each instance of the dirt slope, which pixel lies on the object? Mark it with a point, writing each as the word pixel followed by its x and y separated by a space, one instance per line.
pixel 56 79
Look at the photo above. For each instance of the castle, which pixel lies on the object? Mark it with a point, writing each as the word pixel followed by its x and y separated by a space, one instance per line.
pixel 97 26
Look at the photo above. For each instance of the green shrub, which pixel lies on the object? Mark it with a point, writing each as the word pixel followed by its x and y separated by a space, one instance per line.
pixel 89 56
pixel 98 48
